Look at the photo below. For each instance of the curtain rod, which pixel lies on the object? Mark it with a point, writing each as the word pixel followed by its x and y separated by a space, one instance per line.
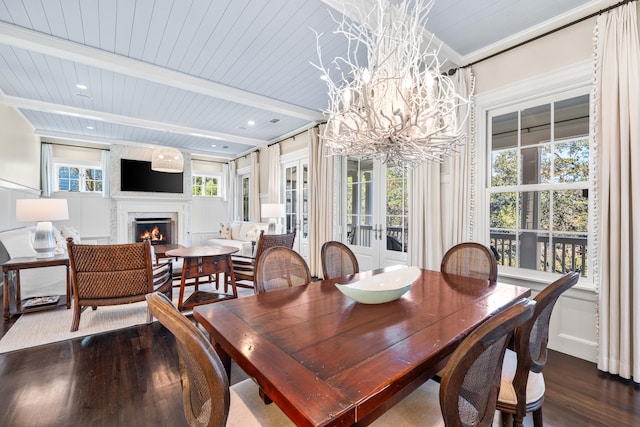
pixel 577 21
pixel 74 145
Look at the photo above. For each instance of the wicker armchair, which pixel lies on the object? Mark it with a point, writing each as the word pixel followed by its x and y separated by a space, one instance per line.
pixel 470 259
pixel 522 388
pixel 114 274
pixel 280 268
pixel 337 260
pixel 244 267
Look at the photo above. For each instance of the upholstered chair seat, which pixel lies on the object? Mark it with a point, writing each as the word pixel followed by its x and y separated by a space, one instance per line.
pixel 535 383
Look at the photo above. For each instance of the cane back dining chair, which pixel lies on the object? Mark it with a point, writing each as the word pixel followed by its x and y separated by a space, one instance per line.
pixel 469 386
pixel 337 260
pixel 280 268
pixel 114 274
pixel 244 267
pixel 470 259
pixel 522 388
pixel 206 396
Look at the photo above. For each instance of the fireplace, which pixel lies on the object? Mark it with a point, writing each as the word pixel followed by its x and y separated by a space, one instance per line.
pixel 159 231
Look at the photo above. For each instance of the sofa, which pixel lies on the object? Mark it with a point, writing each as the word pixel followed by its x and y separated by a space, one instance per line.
pixel 241 235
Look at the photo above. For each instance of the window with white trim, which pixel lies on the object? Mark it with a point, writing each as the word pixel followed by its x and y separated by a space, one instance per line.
pixel 85 178
pixel 206 185
pixel 539 184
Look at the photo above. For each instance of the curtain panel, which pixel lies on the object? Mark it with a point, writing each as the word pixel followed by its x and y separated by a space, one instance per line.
pixel 254 189
pixel 274 173
pixel 616 104
pixel 321 198
pixel 46 169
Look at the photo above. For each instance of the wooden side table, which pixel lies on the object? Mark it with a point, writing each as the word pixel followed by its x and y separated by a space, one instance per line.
pixel 23 263
pixel 205 261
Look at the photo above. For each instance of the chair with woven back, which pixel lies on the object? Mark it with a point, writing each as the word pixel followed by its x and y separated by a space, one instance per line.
pixel 522 389
pixel 244 267
pixel 280 268
pixel 470 259
pixel 207 398
pixel 337 260
pixel 469 387
pixel 105 275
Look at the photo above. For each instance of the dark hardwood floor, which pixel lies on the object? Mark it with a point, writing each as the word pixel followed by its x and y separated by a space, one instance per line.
pixel 129 378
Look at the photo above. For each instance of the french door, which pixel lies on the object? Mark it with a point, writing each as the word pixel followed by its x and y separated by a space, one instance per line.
pixel 296 200
pixel 375 204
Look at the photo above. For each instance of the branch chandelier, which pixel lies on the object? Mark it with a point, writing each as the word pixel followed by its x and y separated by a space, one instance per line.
pixel 399 108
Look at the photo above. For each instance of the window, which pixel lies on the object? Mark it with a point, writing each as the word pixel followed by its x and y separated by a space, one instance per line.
pixel 539 185
pixel 245 188
pixel 82 178
pixel 204 185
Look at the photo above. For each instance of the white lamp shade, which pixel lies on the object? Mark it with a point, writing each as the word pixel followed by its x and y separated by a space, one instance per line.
pixel 167 159
pixel 28 210
pixel 272 210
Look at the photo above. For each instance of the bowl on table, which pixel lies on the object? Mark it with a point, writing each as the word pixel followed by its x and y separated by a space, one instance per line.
pixel 381 288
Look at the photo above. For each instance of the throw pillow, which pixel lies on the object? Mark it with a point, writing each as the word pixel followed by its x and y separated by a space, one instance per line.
pixel 225 231
pixel 61 243
pixel 70 232
pixel 252 234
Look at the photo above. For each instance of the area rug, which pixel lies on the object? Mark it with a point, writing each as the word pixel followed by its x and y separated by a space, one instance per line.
pixel 49 326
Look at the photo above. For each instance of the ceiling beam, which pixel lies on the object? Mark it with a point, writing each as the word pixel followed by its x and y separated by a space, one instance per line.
pixel 48 45
pixel 47 107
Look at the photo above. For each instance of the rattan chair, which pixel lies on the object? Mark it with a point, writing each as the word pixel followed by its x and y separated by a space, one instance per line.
pixel 470 259
pixel 522 388
pixel 280 268
pixel 337 260
pixel 114 274
pixel 206 396
pixel 244 267
pixel 469 386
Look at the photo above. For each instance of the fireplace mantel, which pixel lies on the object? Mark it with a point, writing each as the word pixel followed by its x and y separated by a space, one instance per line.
pixel 128 209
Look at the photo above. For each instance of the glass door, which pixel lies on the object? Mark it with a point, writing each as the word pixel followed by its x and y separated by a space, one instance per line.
pixel 296 196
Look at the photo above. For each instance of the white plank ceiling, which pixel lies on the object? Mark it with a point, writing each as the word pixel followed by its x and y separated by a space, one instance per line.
pixel 192 73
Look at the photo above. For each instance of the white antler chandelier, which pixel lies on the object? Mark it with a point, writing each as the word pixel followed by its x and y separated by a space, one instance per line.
pixel 400 107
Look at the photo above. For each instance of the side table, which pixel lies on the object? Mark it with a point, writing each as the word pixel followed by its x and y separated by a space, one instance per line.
pixel 204 261
pixel 23 263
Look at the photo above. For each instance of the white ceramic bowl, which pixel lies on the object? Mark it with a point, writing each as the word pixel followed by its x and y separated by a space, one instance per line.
pixel 381 288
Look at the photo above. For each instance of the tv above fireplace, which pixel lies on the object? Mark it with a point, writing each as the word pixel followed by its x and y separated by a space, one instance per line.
pixel 136 175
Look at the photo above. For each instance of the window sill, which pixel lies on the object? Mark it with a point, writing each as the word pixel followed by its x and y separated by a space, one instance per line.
pixel 537 278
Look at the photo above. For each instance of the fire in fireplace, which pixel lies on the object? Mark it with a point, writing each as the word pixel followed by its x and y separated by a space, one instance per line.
pixel 158 230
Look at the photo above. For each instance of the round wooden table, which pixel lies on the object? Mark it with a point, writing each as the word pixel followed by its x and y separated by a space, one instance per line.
pixel 203 261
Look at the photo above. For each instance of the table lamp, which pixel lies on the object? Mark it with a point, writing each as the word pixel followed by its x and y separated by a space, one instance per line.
pixel 272 211
pixel 43 211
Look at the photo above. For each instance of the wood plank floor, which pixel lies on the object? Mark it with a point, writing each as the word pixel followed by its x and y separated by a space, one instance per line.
pixel 129 378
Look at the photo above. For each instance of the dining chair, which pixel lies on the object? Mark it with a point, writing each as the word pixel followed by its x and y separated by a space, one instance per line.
pixel 469 387
pixel 522 389
pixel 337 260
pixel 470 259
pixel 114 274
pixel 280 268
pixel 244 267
pixel 207 398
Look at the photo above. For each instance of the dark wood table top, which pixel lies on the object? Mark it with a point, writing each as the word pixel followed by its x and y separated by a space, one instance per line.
pixel 20 263
pixel 202 251
pixel 327 360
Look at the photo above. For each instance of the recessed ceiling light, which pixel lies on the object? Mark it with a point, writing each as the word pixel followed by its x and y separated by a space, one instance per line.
pixel 81 86
pixel 214 145
pixel 251 123
pixel 90 127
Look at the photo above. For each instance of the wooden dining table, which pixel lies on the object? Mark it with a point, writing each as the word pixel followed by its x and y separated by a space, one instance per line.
pixel 325 359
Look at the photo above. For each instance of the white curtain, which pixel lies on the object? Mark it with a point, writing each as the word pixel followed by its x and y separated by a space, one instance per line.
pixel 254 188
pixel 425 220
pixel 230 195
pixel 617 145
pixel 321 198
pixel 46 169
pixel 105 161
pixel 459 225
pixel 274 173
pixel 440 219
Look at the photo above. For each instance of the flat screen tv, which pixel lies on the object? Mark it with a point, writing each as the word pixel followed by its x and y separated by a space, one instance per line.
pixel 136 175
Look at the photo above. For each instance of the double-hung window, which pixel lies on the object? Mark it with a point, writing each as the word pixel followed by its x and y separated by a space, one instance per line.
pixel 78 177
pixel 539 184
